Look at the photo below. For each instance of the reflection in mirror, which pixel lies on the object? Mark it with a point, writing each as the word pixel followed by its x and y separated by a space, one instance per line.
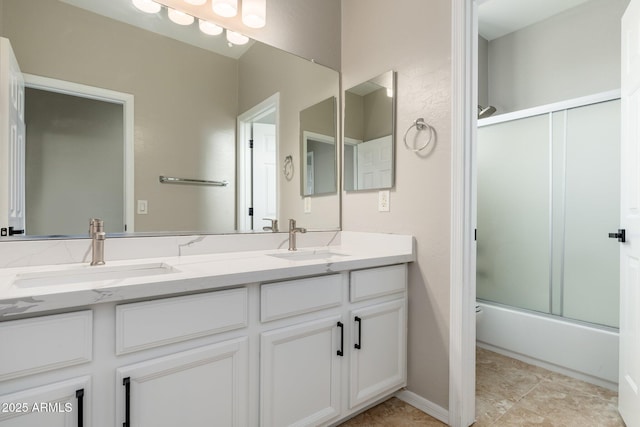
pixel 369 123
pixel 318 148
pixel 187 94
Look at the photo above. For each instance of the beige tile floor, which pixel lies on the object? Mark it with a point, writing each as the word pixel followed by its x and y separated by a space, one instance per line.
pixel 511 393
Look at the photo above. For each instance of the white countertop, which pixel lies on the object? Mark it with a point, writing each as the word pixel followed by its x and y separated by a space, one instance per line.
pixel 194 273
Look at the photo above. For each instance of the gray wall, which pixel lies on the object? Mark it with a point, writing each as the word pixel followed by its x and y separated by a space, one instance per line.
pixel 573 54
pixel 414 41
pixel 74 168
pixel 483 71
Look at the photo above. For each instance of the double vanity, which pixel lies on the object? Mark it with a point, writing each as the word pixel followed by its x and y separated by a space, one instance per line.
pixel 246 338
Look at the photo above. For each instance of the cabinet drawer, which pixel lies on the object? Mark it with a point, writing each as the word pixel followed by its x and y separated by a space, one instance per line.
pixel 149 324
pixel 45 343
pixel 293 297
pixel 375 282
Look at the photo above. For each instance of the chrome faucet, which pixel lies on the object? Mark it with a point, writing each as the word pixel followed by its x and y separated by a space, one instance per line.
pixel 98 236
pixel 273 227
pixel 292 234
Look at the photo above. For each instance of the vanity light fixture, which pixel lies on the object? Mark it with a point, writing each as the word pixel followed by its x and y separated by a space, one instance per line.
pixel 236 38
pixel 179 18
pixel 225 8
pixel 254 13
pixel 209 28
pixel 147 6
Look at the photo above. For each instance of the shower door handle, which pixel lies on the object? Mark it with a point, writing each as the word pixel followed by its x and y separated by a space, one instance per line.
pixel 620 235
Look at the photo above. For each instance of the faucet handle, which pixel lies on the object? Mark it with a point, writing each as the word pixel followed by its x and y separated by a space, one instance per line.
pixel 96 225
pixel 273 227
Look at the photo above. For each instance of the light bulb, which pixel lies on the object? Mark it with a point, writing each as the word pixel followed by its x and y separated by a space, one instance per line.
pixel 148 6
pixel 180 18
pixel 237 38
pixel 209 27
pixel 226 8
pixel 254 13
pixel 196 2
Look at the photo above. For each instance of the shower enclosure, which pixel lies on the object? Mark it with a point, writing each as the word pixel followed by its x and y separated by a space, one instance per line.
pixel 548 196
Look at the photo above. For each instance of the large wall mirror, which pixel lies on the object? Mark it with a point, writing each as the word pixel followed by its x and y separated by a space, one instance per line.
pixel 117 99
pixel 369 124
pixel 319 149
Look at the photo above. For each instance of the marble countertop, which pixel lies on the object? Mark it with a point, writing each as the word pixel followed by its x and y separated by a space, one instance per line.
pixel 192 273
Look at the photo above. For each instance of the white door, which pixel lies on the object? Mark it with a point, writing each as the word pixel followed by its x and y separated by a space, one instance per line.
pixel 375 160
pixel 264 174
pixel 378 351
pixel 206 386
pixel 12 140
pixel 62 404
pixel 629 380
pixel 300 374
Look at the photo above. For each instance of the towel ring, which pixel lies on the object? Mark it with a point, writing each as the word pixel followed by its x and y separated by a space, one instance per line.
pixel 287 169
pixel 420 125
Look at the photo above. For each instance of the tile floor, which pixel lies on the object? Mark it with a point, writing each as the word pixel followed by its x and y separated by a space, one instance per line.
pixel 511 393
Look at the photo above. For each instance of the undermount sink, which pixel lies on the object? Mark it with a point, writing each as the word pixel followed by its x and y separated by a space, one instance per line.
pixel 307 255
pixel 86 273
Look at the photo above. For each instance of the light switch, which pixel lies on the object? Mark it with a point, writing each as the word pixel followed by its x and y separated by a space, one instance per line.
pixel 307 205
pixel 143 207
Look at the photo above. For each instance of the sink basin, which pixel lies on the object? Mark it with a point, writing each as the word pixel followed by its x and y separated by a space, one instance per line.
pixel 86 273
pixel 307 255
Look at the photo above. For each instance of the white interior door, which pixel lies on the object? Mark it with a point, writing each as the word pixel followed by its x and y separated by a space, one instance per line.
pixel 629 380
pixel 374 163
pixel 264 174
pixel 12 140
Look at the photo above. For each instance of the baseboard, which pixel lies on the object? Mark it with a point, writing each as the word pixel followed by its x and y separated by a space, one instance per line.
pixel 426 406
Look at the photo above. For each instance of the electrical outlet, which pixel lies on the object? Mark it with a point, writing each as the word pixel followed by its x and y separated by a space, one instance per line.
pixel 307 205
pixel 143 207
pixel 383 201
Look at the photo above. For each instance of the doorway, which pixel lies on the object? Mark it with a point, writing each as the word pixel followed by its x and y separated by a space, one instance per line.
pixel 79 146
pixel 257 148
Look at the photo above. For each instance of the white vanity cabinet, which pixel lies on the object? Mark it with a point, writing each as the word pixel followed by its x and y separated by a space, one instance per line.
pixel 301 373
pixel 378 353
pixel 206 385
pixel 61 404
pixel 343 352
pixel 44 345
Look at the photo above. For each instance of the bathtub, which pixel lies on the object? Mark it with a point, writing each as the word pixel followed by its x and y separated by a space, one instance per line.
pixel 580 350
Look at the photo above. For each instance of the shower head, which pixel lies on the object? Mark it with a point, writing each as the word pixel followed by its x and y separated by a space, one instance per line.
pixel 485 112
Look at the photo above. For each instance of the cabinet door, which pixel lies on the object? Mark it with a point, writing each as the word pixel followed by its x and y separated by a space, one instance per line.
pixel 300 374
pixel 378 351
pixel 62 404
pixel 206 386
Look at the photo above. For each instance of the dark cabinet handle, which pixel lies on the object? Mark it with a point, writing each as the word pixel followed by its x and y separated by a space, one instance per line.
pixel 80 398
pixel 341 351
pixel 358 345
pixel 126 382
pixel 620 235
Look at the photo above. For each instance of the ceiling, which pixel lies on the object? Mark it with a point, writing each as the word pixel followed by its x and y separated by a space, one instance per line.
pixel 159 23
pixel 497 18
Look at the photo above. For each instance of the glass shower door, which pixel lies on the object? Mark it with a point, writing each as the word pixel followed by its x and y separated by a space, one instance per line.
pixel 591 277
pixel 513 251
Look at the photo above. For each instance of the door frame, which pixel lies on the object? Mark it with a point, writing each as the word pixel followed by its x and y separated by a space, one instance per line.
pixel 243 157
pixel 462 333
pixel 105 95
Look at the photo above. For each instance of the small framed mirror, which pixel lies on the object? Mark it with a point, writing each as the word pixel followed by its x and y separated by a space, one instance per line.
pixel 318 149
pixel 369 134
